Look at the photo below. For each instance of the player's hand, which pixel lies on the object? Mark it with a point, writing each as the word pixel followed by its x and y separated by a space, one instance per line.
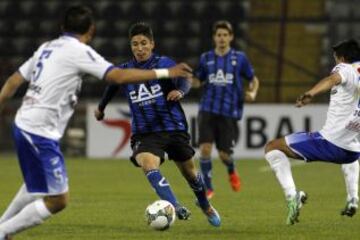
pixel 175 95
pixel 250 96
pixel 180 70
pixel 99 115
pixel 303 99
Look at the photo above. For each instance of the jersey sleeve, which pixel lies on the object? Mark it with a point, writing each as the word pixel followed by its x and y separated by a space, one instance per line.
pixel 246 69
pixel 344 71
pixel 27 68
pixel 200 71
pixel 90 62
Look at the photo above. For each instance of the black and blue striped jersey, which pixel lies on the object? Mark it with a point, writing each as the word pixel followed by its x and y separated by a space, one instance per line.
pixel 150 110
pixel 223 82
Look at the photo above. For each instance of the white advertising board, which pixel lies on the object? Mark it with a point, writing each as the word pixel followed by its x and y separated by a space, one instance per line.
pixel 260 124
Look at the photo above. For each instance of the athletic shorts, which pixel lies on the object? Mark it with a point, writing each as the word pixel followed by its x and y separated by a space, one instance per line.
pixel 312 146
pixel 41 162
pixel 175 144
pixel 218 129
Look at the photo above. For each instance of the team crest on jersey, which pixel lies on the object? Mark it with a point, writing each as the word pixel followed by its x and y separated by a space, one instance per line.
pixel 145 96
pixel 220 78
pixel 233 62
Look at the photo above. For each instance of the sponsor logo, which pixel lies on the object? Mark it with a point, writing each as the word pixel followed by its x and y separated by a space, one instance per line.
pixel 220 78
pixel 144 96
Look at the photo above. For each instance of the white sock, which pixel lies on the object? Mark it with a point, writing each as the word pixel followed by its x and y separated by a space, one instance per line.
pixel 351 176
pixel 280 164
pixel 21 199
pixel 33 214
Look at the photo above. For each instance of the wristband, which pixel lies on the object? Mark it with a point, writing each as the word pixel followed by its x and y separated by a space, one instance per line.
pixel 161 73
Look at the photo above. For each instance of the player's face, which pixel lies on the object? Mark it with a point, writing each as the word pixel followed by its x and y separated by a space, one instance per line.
pixel 222 38
pixel 141 47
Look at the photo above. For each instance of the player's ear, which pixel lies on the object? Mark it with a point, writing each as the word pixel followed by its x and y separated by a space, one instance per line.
pixel 231 37
pixel 152 43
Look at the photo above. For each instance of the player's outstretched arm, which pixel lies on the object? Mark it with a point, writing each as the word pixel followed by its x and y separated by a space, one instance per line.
pixel 323 86
pixel 10 87
pixel 122 76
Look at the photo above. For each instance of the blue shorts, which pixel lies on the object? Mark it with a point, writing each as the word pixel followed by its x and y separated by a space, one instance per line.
pixel 41 162
pixel 313 147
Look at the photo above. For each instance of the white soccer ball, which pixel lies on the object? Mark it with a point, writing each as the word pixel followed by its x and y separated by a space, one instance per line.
pixel 160 215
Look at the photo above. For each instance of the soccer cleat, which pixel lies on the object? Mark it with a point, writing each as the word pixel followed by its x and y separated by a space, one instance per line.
pixel 182 212
pixel 235 181
pixel 350 207
pixel 209 193
pixel 294 206
pixel 213 216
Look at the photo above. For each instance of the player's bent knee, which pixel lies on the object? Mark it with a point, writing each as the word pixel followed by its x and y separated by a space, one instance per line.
pixel 205 150
pixel 272 145
pixel 224 156
pixel 56 204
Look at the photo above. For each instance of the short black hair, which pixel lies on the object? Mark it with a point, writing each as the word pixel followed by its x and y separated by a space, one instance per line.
pixel 222 24
pixel 141 28
pixel 348 49
pixel 77 19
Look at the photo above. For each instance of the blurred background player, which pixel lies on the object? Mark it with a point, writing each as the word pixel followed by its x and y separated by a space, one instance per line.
pixel 221 72
pixel 337 142
pixel 159 124
pixel 54 77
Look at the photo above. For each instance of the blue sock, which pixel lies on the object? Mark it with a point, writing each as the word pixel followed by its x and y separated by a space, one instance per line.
pixel 161 186
pixel 230 165
pixel 206 167
pixel 199 189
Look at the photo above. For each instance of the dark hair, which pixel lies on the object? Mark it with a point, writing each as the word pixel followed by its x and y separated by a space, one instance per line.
pixel 77 19
pixel 348 49
pixel 222 24
pixel 141 28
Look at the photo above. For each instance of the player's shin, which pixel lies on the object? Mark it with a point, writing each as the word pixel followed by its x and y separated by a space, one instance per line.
pixel 161 186
pixel 280 164
pixel 199 189
pixel 351 176
pixel 206 168
pixel 31 215
pixel 21 199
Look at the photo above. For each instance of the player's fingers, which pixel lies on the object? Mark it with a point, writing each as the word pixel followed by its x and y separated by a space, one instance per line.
pixel 186 67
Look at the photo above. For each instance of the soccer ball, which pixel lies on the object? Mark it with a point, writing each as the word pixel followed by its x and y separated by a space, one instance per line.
pixel 160 215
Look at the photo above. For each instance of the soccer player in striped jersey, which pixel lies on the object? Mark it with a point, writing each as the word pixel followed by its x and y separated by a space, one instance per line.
pixel 159 124
pixel 54 76
pixel 221 72
pixel 337 142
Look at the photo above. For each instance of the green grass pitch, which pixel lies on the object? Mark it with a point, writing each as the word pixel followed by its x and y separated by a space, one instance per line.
pixel 108 199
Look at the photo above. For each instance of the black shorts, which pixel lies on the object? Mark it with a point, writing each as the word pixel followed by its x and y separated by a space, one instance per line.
pixel 176 144
pixel 224 131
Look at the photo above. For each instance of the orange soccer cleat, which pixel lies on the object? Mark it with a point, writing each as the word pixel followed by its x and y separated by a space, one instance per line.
pixel 235 181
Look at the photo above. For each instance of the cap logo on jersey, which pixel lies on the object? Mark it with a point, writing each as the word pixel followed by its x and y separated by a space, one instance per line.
pixel 220 78
pixel 145 96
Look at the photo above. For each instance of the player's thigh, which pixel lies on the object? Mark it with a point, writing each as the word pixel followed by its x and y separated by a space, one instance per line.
pixel 179 148
pixel 207 127
pixel 227 134
pixel 147 148
pixel 41 162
